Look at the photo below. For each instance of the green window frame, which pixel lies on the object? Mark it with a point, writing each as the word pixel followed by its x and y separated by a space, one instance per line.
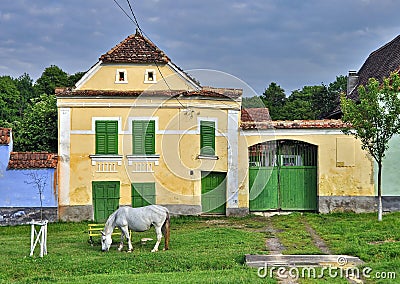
pixel 143 194
pixel 143 137
pixel 106 137
pixel 207 138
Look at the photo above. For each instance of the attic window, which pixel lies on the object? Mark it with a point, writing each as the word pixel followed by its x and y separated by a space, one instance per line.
pixel 121 76
pixel 150 76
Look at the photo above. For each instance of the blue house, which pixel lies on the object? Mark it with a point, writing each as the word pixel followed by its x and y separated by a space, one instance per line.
pixel 22 175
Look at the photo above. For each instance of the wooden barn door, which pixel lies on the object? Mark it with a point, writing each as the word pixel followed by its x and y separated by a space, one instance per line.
pixel 283 176
pixel 105 199
pixel 213 192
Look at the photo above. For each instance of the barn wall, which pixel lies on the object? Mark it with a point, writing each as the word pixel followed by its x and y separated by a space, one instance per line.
pixel 345 171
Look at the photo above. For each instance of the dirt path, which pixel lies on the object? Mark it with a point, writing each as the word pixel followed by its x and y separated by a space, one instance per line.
pixel 275 247
pixel 318 241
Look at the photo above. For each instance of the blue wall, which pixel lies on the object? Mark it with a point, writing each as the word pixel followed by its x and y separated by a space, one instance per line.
pixel 14 190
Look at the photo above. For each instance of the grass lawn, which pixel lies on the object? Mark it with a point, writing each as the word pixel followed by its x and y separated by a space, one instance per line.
pixel 202 250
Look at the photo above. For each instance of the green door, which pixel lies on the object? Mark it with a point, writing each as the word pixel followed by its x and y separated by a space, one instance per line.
pixel 298 188
pixel 105 199
pixel 213 192
pixel 143 194
pixel 283 176
pixel 263 188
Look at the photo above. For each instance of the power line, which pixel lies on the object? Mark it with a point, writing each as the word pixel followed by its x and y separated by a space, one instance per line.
pixel 136 23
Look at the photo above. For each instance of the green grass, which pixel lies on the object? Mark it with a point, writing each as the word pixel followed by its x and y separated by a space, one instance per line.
pixel 202 250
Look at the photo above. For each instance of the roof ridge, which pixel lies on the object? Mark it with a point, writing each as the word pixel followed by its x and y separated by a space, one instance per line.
pixel 136 48
pixel 385 45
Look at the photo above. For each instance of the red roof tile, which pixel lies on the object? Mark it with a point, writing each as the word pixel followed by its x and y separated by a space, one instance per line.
pixel 32 160
pixel 5 136
pixel 217 93
pixel 255 114
pixel 295 124
pixel 135 49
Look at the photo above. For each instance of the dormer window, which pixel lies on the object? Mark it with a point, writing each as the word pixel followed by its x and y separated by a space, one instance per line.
pixel 121 76
pixel 150 76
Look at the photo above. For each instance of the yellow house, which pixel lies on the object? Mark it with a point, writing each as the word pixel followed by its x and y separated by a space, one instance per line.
pixel 137 130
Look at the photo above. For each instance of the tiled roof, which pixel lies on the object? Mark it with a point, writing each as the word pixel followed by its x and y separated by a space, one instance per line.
pixel 295 124
pixel 32 160
pixel 135 49
pixel 217 93
pixel 255 114
pixel 5 136
pixel 379 64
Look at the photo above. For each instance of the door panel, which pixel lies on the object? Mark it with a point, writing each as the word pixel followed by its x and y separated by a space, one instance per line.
pixel 213 192
pixel 105 199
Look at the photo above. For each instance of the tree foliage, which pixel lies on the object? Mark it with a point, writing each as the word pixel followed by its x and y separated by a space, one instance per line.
pixel 274 99
pixel 30 108
pixel 375 119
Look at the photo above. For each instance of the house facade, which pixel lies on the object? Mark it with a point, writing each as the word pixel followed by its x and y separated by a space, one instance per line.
pixel 20 173
pixel 137 130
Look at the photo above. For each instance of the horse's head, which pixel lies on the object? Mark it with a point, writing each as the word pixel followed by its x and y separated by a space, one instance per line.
pixel 106 241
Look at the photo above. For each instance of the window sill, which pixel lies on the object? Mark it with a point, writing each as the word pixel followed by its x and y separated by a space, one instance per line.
pixel 207 157
pixel 106 158
pixel 121 82
pixel 143 158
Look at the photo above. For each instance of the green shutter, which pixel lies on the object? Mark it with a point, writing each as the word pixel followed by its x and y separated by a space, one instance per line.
pixel 149 145
pixel 106 137
pixel 207 138
pixel 143 194
pixel 106 195
pixel 143 137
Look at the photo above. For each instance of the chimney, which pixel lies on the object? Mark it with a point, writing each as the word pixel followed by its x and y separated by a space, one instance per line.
pixel 352 81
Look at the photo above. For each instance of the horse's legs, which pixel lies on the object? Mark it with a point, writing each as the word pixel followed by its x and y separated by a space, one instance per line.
pixel 159 236
pixel 121 244
pixel 125 232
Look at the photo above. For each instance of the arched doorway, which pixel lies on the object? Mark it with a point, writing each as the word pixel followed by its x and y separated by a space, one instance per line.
pixel 283 176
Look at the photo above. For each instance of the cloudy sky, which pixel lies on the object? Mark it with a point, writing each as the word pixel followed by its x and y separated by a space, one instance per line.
pixel 291 42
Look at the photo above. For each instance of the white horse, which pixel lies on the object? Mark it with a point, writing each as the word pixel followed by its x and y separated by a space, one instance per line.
pixel 138 220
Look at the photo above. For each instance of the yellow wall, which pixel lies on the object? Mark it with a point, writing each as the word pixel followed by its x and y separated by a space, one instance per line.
pixel 177 143
pixel 334 177
pixel 105 78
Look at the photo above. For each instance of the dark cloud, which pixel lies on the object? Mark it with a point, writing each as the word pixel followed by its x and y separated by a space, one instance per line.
pixel 292 43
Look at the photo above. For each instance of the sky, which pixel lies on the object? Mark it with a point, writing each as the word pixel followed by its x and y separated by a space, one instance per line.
pixel 246 44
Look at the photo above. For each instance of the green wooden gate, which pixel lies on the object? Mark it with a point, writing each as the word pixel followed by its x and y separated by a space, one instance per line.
pixel 283 176
pixel 105 199
pixel 213 192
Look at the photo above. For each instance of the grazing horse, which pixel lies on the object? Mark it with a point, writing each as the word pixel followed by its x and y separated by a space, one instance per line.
pixel 138 220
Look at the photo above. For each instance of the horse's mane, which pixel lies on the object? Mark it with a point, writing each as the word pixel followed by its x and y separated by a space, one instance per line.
pixel 110 224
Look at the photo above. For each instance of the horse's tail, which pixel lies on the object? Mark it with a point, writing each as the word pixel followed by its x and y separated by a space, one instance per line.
pixel 166 231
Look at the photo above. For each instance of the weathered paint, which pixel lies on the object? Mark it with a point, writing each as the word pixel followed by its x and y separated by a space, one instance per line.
pixel 16 189
pixel 333 178
pixel 104 78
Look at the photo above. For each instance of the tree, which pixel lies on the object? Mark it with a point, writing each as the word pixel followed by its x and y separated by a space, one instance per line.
pixel 274 99
pixel 51 78
pixel 374 120
pixel 9 101
pixel 39 128
pixel 252 102
pixel 24 84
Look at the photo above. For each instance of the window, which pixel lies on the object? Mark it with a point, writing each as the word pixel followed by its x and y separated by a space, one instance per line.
pixel 143 194
pixel 106 137
pixel 150 76
pixel 121 76
pixel 143 132
pixel 207 138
